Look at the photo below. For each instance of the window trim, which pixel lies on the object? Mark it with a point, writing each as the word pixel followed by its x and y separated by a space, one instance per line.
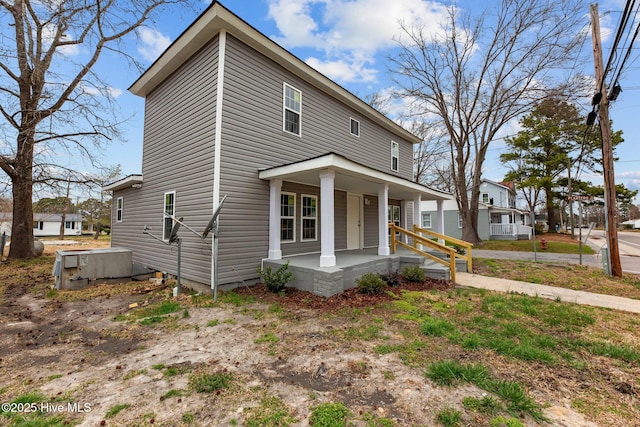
pixel 119 209
pixel 351 122
pixel 460 220
pixel 424 214
pixel 285 109
pixel 395 155
pixel 293 227
pixel 303 217
pixel 165 233
pixel 482 197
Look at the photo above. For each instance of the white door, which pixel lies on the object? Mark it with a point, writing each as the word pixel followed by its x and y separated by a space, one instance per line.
pixel 353 221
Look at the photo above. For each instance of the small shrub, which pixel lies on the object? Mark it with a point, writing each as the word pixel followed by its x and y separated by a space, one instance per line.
pixel 460 250
pixel 329 415
pixel 276 280
pixel 392 279
pixel 371 283
pixel 414 274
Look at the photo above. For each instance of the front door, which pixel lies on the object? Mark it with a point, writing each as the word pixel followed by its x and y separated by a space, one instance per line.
pixel 353 221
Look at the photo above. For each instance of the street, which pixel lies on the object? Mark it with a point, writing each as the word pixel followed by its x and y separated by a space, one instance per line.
pixel 628 244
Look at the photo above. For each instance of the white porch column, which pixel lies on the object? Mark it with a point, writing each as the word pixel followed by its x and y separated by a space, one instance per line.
pixel 383 220
pixel 275 185
pixel 404 219
pixel 327 229
pixel 440 223
pixel 417 215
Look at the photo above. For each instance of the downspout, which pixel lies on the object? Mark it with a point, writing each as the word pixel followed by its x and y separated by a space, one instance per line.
pixel 222 43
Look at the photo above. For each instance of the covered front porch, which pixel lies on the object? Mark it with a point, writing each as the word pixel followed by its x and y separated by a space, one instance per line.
pixel 358 220
pixel 509 224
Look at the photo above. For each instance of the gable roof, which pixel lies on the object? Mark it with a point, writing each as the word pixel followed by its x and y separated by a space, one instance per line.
pixel 509 185
pixel 215 19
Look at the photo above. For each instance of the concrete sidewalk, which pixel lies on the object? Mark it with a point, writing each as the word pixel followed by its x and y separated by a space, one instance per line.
pixel 561 294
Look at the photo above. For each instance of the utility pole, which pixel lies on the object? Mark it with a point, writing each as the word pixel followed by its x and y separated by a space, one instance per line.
pixel 607 149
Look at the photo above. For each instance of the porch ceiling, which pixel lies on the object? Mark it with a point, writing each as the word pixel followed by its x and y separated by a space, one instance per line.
pixel 351 177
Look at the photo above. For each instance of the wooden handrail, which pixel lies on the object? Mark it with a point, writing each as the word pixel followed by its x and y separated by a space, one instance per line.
pixel 468 246
pixel 451 263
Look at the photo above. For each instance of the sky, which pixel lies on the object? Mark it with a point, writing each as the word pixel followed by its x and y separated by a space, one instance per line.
pixel 349 41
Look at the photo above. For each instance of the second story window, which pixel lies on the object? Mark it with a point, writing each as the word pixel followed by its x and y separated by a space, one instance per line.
pixel 292 109
pixel 485 197
pixel 355 127
pixel 395 154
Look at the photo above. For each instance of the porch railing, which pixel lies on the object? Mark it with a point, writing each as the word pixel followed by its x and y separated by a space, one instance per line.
pixel 510 230
pixel 420 240
pixel 503 230
pixel 466 246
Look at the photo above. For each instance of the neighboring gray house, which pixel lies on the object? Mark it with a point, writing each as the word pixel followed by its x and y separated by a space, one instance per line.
pixel 498 218
pixel 307 167
pixel 46 224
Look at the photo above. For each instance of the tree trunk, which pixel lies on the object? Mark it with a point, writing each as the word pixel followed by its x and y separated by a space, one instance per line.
pixel 98 230
pixel 22 225
pixel 551 211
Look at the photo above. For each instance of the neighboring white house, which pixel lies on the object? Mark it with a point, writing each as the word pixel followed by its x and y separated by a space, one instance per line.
pixel 498 218
pixel 46 224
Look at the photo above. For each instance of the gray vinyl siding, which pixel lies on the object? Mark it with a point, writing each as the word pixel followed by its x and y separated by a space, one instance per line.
pixel 371 221
pixel 178 156
pixel 253 139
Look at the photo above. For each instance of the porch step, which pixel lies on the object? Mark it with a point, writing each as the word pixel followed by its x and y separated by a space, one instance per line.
pixel 461 265
pixel 435 270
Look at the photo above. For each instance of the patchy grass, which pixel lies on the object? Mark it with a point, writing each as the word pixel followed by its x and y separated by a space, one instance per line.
pixel 570 276
pixel 556 243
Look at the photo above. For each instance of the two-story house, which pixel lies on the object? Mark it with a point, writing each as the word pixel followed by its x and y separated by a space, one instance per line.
pixel 498 217
pixel 306 166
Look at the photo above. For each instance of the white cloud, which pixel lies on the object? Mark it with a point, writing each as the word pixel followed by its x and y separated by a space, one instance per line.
pixel 633 175
pixel 153 43
pixel 341 70
pixel 349 32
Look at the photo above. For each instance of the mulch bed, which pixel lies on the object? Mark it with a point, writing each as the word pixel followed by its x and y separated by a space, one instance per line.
pixel 352 298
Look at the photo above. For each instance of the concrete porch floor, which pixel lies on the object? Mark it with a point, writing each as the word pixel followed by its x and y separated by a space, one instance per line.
pixel 350 265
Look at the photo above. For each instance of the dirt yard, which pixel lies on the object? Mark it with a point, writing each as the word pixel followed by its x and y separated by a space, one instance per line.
pixel 97 358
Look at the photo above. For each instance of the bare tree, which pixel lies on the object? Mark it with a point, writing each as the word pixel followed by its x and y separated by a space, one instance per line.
pixel 476 75
pixel 52 101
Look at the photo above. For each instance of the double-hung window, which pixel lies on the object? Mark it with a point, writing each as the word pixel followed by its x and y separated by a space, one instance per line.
pixel 119 209
pixel 459 220
pixel 426 220
pixel 287 217
pixel 309 218
pixel 169 212
pixel 485 197
pixel 395 154
pixel 355 127
pixel 292 110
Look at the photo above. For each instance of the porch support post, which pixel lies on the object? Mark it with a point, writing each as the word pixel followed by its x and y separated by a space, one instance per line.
pixel 440 223
pixel 404 219
pixel 383 220
pixel 327 233
pixel 275 185
pixel 417 216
